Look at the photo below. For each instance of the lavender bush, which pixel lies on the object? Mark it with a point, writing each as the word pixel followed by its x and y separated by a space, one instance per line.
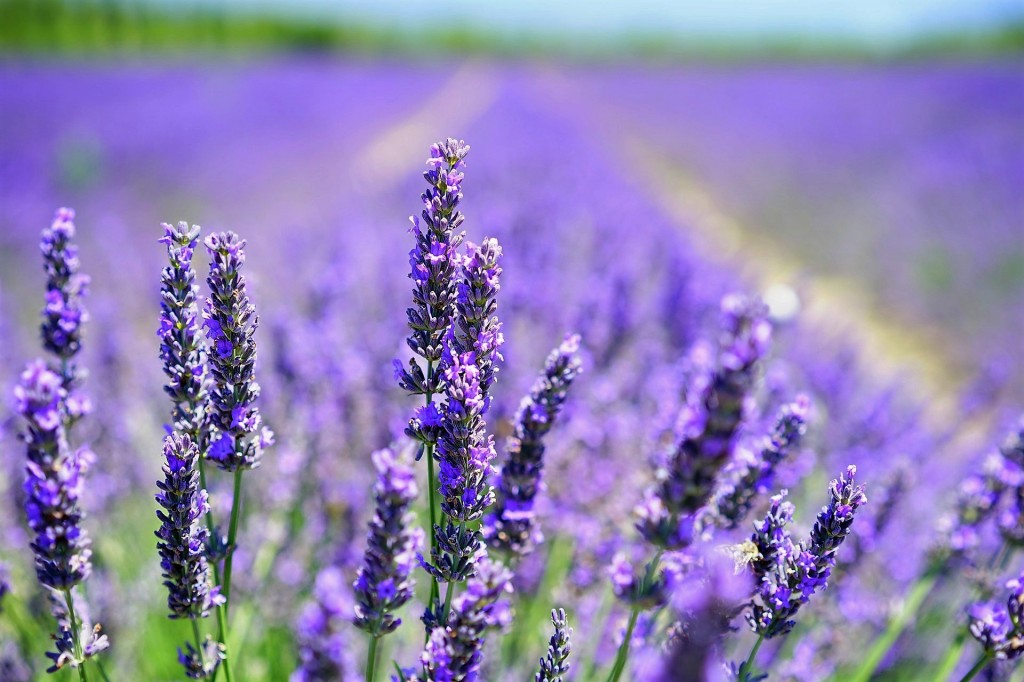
pixel 661 501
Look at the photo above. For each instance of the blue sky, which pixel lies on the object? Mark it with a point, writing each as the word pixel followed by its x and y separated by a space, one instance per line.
pixel 871 20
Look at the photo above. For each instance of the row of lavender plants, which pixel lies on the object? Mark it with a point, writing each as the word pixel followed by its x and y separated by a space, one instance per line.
pixel 707 585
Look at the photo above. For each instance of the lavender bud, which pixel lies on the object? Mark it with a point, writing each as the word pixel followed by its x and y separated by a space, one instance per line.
pixel 63 314
pixel 182 534
pixel 800 571
pixel 180 344
pixel 64 644
pixel 511 527
pixel 200 664
pixel 384 583
pixel 230 321
pixel 53 482
pixel 1000 629
pixel 454 652
pixel 477 329
pixel 434 260
pixel 556 663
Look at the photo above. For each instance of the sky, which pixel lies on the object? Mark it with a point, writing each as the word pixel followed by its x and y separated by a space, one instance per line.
pixel 868 20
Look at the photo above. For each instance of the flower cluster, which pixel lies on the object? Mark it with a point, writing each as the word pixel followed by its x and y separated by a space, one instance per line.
pixel 182 534
pixel 709 423
pixel 998 627
pixel 434 261
pixel 790 573
pixel 230 321
pixel 323 646
pixel 556 663
pixel 180 345
pixel 53 482
pixel 63 314
pixel 511 526
pixel 476 329
pixel 454 652
pixel 384 582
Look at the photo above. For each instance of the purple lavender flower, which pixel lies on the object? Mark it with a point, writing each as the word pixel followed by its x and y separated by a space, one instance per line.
pixel 5 584
pixel 511 526
pixel 709 423
pixel 230 321
pixel 66 655
pixel 180 345
pixel 754 474
pixel 182 534
pixel 63 314
pixel 464 452
pixel 201 663
pixel 323 646
pixel 384 582
pixel 476 329
pixel 556 663
pixel 434 262
pixel 770 545
pixel 1000 628
pixel 454 652
pixel 53 482
pixel 801 570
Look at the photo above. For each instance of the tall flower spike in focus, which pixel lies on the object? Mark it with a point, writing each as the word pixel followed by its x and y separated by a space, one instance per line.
pixel 434 261
pixel 708 427
pixel 231 321
pixel 511 525
pixel 556 663
pixel 182 534
pixel 180 344
pixel 476 328
pixel 384 583
pixel 800 571
pixel 64 313
pixel 454 653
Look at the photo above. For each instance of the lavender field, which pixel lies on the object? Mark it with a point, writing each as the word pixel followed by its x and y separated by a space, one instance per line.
pixel 728 365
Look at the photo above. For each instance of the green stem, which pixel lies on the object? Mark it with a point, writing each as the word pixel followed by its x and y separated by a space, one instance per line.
pixel 918 593
pixel 103 671
pixel 371 659
pixel 448 594
pixel 76 631
pixel 236 506
pixel 623 654
pixel 748 665
pixel 199 641
pixel 952 656
pixel 978 667
pixel 428 450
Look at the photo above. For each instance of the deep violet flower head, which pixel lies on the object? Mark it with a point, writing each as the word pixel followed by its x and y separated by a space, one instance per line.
pixel 53 482
pixel 555 663
pixel 384 583
pixel 511 525
pixel 180 343
pixel 1000 628
pixel 476 328
pixel 708 426
pixel 434 262
pixel 64 314
pixel 454 652
pixel 753 472
pixel 792 573
pixel 182 533
pixel 231 321
pixel 464 452
pixel 322 630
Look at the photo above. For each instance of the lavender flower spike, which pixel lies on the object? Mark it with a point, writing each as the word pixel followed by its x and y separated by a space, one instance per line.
pixel 1000 629
pixel 64 313
pixel 511 526
pixel 384 582
pixel 476 329
pixel 53 482
pixel 434 261
pixel 182 534
pixel 180 345
pixel 454 652
pixel 230 321
pixel 556 663
pixel 800 571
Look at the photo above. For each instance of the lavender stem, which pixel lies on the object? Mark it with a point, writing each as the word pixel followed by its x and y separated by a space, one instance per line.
pixel 435 590
pixel 236 505
pixel 371 659
pixel 75 635
pixel 623 654
pixel 748 665
pixel 978 667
